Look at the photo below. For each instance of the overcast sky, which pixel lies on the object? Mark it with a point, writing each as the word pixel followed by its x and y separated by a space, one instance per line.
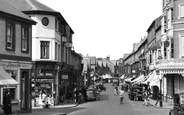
pixel 107 27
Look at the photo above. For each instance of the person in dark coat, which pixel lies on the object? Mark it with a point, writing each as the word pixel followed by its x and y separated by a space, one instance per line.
pixel 7 103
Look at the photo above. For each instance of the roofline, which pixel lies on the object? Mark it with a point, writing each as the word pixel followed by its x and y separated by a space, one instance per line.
pixel 57 14
pixel 17 18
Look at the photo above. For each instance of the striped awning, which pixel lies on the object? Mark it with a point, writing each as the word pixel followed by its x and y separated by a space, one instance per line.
pixel 6 79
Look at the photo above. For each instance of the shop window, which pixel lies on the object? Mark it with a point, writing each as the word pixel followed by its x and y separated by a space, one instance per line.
pixel 24 41
pixel 10 40
pixel 13 74
pixel 45 49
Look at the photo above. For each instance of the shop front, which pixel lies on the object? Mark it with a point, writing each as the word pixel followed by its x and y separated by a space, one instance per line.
pixel 17 79
pixel 45 79
pixel 172 77
pixel 66 85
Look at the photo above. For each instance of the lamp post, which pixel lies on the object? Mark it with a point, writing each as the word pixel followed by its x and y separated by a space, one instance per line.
pixel 161 92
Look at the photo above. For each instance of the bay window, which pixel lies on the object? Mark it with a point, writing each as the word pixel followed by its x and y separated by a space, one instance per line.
pixel 45 49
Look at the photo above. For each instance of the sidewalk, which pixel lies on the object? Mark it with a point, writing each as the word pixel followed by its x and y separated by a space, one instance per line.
pixel 53 110
pixel 166 105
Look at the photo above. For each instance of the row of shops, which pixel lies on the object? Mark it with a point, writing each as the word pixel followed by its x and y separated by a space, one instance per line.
pixel 167 78
pixel 25 80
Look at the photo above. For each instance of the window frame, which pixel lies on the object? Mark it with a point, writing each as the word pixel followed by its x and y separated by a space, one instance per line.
pixel 13 35
pixel 27 42
pixel 179 11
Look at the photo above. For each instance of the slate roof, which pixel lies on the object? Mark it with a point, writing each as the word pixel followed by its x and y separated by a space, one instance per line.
pixel 35 7
pixel 8 9
pixel 28 5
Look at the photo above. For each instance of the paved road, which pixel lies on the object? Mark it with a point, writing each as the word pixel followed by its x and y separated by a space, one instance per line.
pixel 109 105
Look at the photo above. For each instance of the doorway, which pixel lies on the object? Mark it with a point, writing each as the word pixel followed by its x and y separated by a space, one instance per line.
pixel 25 90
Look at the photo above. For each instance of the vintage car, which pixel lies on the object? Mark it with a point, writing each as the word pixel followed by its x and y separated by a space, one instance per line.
pixel 136 93
pixel 92 94
pixel 178 108
pixel 101 87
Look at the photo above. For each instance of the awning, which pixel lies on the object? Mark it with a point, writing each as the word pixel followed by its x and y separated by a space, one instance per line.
pixel 150 77
pixel 122 77
pixel 6 79
pixel 138 78
pixel 155 81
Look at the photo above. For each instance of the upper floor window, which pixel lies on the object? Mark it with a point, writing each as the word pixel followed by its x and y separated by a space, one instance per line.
pixel 172 48
pixel 181 11
pixel 10 38
pixel 45 49
pixel 56 24
pixel 25 35
pixel 58 27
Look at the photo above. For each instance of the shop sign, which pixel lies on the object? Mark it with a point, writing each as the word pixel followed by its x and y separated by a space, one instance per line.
pixel 15 65
pixel 45 67
pixel 64 76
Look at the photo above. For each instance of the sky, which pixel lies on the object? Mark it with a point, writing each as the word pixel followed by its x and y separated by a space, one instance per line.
pixel 107 27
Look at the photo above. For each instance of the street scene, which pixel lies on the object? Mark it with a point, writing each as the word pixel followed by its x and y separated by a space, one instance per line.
pixel 98 57
pixel 109 104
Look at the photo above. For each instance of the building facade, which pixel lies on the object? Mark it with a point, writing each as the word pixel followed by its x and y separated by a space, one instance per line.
pixel 15 55
pixel 56 66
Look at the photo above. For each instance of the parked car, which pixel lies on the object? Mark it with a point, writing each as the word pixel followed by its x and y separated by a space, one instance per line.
pixel 178 108
pixel 101 87
pixel 136 93
pixel 92 94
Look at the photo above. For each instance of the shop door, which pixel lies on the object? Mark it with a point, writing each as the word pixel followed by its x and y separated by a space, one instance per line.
pixel 25 90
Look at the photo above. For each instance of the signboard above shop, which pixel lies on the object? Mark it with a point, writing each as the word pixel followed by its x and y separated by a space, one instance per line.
pixel 15 65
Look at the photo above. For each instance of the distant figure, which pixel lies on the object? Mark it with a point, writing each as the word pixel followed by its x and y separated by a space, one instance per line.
pixel 40 99
pixel 7 103
pixel 44 100
pixel 145 98
pixel 121 94
pixel 158 98
pixel 115 89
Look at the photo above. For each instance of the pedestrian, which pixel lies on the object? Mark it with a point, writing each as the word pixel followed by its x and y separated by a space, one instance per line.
pixel 158 98
pixel 40 99
pixel 44 99
pixel 115 89
pixel 145 98
pixel 7 107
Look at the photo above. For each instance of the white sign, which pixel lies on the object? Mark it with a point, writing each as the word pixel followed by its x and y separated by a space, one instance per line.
pixel 64 76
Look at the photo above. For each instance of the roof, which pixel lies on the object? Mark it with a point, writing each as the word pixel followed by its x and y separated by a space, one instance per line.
pixel 28 5
pixel 36 7
pixel 9 9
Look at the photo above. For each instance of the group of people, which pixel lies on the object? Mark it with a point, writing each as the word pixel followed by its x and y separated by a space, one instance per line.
pixel 44 99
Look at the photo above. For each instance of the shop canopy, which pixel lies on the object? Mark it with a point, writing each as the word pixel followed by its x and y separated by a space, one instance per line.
pixel 154 79
pixel 6 79
pixel 150 77
pixel 122 77
pixel 138 78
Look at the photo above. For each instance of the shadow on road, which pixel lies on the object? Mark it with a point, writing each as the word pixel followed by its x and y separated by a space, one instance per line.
pixel 57 110
pixel 104 97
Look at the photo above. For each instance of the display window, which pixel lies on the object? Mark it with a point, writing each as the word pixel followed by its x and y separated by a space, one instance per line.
pixel 13 74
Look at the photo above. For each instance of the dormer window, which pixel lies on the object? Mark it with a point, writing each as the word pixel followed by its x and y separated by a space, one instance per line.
pixel 45 21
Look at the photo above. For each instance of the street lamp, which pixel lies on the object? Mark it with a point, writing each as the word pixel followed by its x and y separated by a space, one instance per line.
pixel 161 91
